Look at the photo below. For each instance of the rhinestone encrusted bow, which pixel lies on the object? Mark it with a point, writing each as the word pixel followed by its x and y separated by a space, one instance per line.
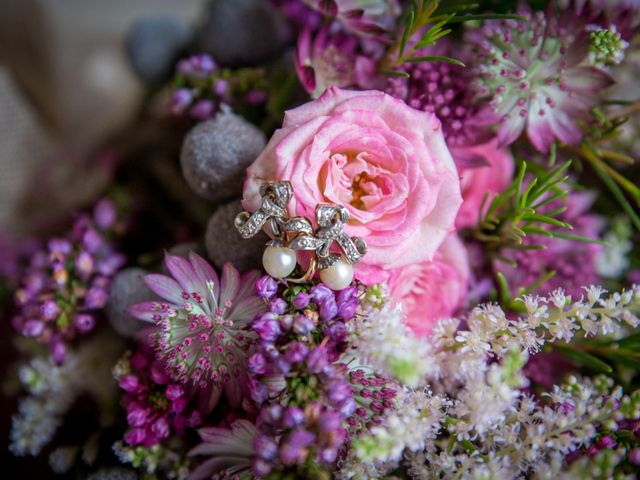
pixel 298 233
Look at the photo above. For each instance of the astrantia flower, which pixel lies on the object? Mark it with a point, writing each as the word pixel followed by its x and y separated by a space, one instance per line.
pixel 230 451
pixel 202 333
pixel 331 58
pixel 533 72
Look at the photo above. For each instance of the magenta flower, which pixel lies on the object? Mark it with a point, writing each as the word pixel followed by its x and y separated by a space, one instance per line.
pixel 534 74
pixel 202 334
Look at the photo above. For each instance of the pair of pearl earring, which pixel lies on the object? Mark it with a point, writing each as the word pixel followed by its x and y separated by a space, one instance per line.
pixel 280 262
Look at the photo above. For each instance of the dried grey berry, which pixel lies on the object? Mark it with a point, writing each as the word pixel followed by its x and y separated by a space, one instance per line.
pixel 242 32
pixel 153 45
pixel 224 243
pixel 216 153
pixel 127 289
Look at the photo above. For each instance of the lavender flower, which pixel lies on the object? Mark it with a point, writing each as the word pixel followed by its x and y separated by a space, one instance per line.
pixel 296 378
pixel 201 326
pixel 534 72
pixel 67 283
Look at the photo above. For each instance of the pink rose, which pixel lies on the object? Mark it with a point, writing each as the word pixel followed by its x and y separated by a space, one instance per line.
pixel 483 169
pixel 430 291
pixel 387 163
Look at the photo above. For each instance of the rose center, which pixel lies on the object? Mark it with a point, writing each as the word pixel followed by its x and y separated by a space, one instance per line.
pixel 358 190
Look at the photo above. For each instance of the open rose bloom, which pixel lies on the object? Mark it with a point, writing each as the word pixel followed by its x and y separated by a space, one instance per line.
pixel 387 163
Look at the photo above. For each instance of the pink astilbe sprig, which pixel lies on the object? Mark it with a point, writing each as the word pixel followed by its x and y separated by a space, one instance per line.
pixel 534 72
pixel 202 330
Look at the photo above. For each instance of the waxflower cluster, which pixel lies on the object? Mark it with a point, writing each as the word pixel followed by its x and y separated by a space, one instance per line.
pixel 156 408
pixel 67 283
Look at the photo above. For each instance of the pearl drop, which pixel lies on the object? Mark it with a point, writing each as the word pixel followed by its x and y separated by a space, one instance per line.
pixel 338 276
pixel 279 262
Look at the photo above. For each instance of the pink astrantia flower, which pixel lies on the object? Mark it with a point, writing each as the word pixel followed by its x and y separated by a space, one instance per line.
pixel 331 58
pixel 534 72
pixel 432 290
pixel 202 333
pixel 485 170
pixel 385 162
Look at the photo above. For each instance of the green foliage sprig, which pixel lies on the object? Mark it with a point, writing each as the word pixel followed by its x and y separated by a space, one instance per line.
pixel 516 212
pixel 425 19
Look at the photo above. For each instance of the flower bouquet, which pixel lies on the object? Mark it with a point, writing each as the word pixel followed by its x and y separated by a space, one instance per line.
pixel 427 271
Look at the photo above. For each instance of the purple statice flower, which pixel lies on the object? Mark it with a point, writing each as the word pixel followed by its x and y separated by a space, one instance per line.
pixel 201 326
pixel 230 451
pixel 535 74
pixel 573 261
pixel 444 89
pixel 156 409
pixel 66 284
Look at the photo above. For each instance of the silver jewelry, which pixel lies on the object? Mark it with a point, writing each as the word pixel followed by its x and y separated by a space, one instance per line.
pixel 292 234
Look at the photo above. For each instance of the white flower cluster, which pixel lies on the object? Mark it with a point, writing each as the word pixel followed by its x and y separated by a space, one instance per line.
pixel 548 319
pixel 380 338
pixel 415 420
pixel 53 388
pixel 533 438
pixel 480 424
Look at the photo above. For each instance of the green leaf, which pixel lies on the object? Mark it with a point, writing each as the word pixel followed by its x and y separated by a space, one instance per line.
pixel 522 170
pixel 407 29
pixel 631 342
pixel 546 219
pixel 619 195
pixel 396 73
pixel 626 360
pixel 430 58
pixel 586 359
pixel 577 238
pixel 486 16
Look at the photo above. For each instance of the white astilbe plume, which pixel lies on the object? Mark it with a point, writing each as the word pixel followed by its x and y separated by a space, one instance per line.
pixel 480 424
pixel 532 438
pixel 381 339
pixel 53 388
pixel 462 353
pixel 414 422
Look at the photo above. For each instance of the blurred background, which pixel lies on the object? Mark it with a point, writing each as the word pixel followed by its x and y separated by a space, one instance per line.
pixel 65 87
